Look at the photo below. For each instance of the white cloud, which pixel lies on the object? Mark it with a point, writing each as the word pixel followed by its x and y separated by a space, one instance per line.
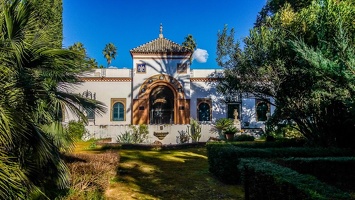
pixel 200 55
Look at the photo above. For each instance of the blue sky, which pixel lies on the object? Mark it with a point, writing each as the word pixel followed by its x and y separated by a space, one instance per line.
pixel 128 24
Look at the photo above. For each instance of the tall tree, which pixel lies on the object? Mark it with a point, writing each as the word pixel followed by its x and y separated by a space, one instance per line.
pixel 35 93
pixel 49 20
pixel 304 60
pixel 83 59
pixel 273 6
pixel 79 48
pixel 190 44
pixel 109 52
pixel 92 63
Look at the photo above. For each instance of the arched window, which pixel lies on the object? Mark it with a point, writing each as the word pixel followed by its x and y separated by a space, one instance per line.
pixel 90 114
pixel 204 112
pixel 118 112
pixel 261 109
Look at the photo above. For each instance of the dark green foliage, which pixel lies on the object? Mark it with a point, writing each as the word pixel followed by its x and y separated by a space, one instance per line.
pixel 337 171
pixel 273 6
pixel 223 158
pixel 189 43
pixel 83 60
pixel 245 137
pixel 290 152
pixel 303 58
pixel 35 87
pixel 50 21
pixel 279 143
pixel 265 180
pixel 223 162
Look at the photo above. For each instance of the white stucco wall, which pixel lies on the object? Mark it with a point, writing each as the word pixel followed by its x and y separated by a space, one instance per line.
pixel 160 65
pixel 201 88
pixel 117 83
pixel 249 112
pixel 108 72
pixel 113 131
pixel 206 90
pixel 105 90
pixel 204 73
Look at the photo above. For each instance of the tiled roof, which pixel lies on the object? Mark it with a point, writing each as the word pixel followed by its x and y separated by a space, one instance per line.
pixel 160 45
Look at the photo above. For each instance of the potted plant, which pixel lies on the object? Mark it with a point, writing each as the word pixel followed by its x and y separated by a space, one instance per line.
pixel 229 132
pixel 221 125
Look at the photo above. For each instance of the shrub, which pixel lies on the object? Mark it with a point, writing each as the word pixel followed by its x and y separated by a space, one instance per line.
pixel 184 136
pixel 138 134
pixel 76 129
pixel 223 162
pixel 223 158
pixel 90 173
pixel 336 171
pixel 221 125
pixel 279 143
pixel 126 137
pixel 195 130
pixel 265 180
pixel 245 137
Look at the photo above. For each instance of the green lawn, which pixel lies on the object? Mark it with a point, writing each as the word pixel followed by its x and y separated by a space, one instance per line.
pixel 174 174
pixel 169 174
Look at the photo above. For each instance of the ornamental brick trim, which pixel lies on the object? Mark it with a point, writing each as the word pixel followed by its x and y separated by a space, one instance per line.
pixel 204 79
pixel 105 79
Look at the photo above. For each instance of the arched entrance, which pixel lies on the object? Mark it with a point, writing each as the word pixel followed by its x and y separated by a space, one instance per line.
pixel 161 100
pixel 161 104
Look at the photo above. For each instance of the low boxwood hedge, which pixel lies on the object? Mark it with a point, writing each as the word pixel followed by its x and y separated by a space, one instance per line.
pixel 265 180
pixel 338 171
pixel 223 161
pixel 244 137
pixel 223 158
pixel 278 143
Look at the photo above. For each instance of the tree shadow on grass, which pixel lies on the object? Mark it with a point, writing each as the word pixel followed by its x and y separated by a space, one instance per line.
pixel 175 174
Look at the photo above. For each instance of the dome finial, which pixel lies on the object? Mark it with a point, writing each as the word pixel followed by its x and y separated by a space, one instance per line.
pixel 161 31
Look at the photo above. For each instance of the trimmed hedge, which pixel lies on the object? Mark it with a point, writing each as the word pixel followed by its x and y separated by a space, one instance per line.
pixel 337 171
pixel 279 143
pixel 223 161
pixel 244 137
pixel 223 158
pixel 265 180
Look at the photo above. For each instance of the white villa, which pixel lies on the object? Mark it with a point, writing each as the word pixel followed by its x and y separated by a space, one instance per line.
pixel 161 90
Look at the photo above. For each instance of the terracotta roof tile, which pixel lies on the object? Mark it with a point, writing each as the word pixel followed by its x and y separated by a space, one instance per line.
pixel 160 45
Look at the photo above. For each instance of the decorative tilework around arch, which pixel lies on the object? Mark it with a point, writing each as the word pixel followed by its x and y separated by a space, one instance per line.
pixel 171 81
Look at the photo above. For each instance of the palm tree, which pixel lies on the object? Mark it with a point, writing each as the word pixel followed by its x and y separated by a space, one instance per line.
pixel 79 48
pixel 110 51
pixel 35 83
pixel 92 63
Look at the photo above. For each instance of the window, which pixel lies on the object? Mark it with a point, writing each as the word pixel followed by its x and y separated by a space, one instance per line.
pixel 90 114
pixel 262 108
pixel 118 112
pixel 204 110
pixel 231 110
pixel 118 109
